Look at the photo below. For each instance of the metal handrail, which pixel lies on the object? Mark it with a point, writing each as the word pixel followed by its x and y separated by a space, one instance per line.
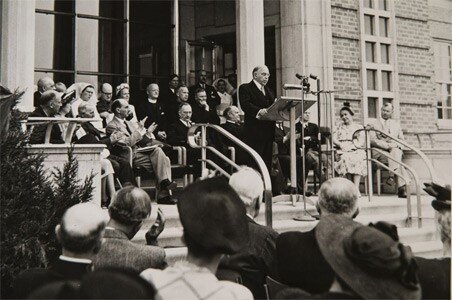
pixel 50 121
pixel 191 138
pixel 433 175
pixel 415 178
pixel 430 134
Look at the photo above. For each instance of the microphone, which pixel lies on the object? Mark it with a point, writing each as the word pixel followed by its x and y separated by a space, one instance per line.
pixel 299 76
pixel 312 76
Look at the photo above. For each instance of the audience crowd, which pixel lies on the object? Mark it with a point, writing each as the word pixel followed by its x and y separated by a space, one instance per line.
pixel 229 254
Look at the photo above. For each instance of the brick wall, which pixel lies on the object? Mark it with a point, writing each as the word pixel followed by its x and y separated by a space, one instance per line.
pixel 346 56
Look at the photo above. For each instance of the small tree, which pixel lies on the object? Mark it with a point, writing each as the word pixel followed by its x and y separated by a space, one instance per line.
pixel 32 203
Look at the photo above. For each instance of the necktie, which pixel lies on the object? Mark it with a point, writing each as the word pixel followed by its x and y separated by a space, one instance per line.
pixel 263 90
pixel 128 128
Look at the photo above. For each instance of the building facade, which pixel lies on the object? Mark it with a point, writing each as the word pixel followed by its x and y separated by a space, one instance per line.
pixel 366 52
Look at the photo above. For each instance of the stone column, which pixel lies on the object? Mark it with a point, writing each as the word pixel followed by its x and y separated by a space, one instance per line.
pixel 249 37
pixel 18 47
pixel 306 44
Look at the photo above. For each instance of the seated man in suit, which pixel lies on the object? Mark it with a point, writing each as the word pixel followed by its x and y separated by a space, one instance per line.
pixel 257 259
pixel 91 135
pixel 202 112
pixel 50 104
pixel 135 135
pixel 234 127
pixel 213 99
pixel 44 84
pixel 80 234
pixel 388 125
pixel 171 109
pixel 152 109
pixel 128 209
pixel 177 136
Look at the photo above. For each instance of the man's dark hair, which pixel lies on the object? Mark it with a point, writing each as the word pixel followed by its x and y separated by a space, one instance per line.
pixel 226 111
pixel 47 97
pixel 78 243
pixel 116 104
pixel 199 90
pixel 221 80
pixel 172 76
pixel 181 86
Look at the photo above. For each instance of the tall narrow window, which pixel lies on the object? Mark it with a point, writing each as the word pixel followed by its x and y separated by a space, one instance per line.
pixel 383 22
pixel 384 54
pixel 371 79
pixel 443 77
pixel 369 24
pixel 370 52
pixel 377 55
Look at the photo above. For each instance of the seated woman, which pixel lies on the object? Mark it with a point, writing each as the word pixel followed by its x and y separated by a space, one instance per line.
pixel 352 161
pixel 123 92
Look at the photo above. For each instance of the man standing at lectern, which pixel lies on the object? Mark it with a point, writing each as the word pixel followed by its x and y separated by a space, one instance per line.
pixel 254 99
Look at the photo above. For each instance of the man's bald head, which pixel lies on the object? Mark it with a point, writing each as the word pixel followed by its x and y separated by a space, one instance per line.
pixel 45 84
pixel 338 196
pixel 153 91
pixel 81 228
pixel 106 92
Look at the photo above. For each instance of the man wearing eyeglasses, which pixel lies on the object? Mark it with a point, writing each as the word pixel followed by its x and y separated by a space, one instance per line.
pixel 103 106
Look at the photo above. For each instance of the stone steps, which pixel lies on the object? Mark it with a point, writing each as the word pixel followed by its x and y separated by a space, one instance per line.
pixel 424 241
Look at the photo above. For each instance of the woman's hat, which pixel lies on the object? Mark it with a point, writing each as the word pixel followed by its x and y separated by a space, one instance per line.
pixel 120 87
pixel 213 216
pixel 348 108
pixel 370 262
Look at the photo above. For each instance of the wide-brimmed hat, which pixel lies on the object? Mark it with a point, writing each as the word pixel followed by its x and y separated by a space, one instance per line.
pixel 370 262
pixel 213 216
pixel 301 264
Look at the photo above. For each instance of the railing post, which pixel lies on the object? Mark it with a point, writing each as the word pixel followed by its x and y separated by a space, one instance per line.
pixel 370 187
pixel 203 149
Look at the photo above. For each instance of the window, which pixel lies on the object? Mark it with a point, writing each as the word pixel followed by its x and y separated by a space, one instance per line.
pixel 369 24
pixel 377 52
pixel 370 52
pixel 386 81
pixel 382 5
pixel 443 77
pixel 371 80
pixel 85 41
pixel 372 107
pixel 384 54
pixel 383 26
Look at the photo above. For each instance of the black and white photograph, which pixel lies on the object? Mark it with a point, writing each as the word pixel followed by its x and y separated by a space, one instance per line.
pixel 225 149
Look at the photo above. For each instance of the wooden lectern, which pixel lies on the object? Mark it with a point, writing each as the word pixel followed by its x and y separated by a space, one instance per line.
pixel 288 108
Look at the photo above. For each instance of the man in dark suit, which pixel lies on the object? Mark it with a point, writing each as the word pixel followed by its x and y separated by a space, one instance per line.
pixel 300 262
pixel 202 111
pixel 168 96
pixel 152 109
pixel 171 109
pixel 258 258
pixel 80 235
pixel 44 84
pixel 213 99
pixel 254 99
pixel 50 104
pixel 177 136
pixel 234 127
pixel 128 210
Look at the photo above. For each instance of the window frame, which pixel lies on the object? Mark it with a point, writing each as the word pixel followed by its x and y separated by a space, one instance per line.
pixel 377 40
pixel 443 123
pixel 76 71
